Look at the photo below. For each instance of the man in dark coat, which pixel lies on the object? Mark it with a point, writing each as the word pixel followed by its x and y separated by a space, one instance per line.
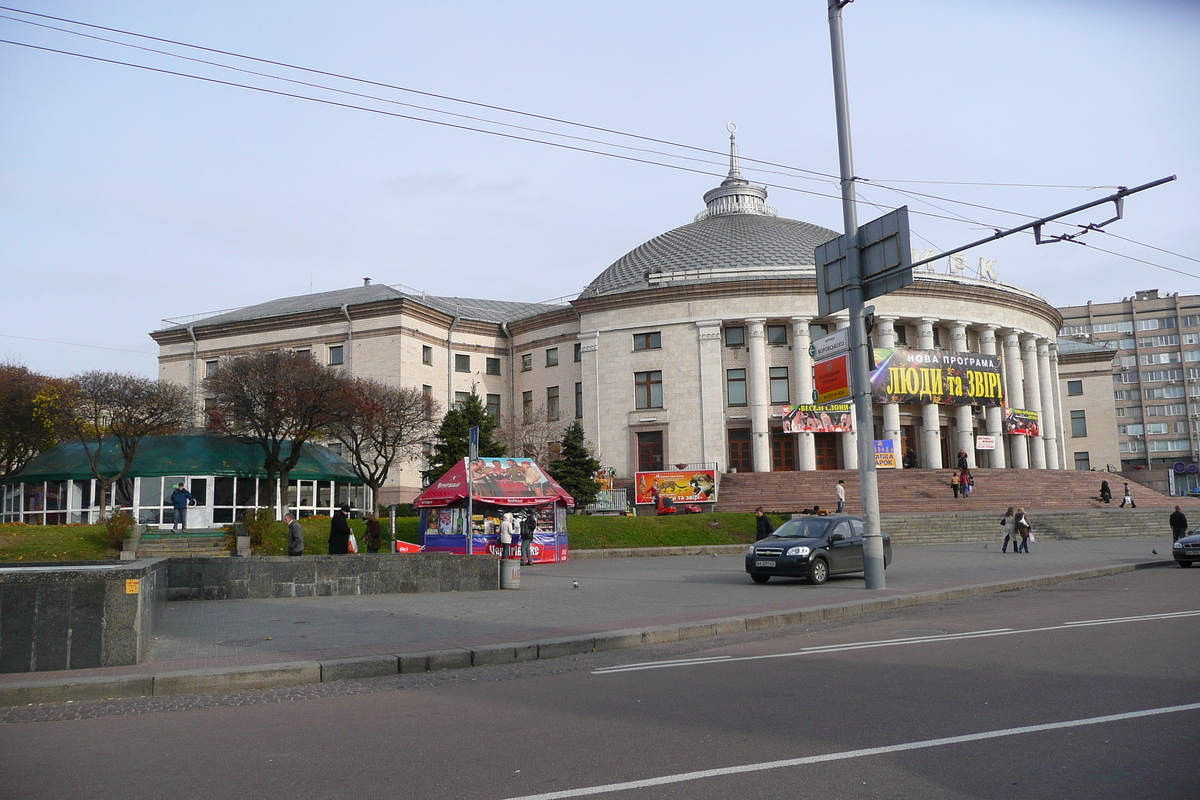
pixel 1178 525
pixel 762 524
pixel 181 498
pixel 528 526
pixel 339 532
pixel 373 535
pixel 295 535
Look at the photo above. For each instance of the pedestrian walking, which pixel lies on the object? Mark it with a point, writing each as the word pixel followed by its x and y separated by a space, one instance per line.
pixel 181 498
pixel 1178 525
pixel 373 534
pixel 841 497
pixel 339 532
pixel 295 535
pixel 1009 523
pixel 1128 498
pixel 968 483
pixel 1105 492
pixel 955 484
pixel 1024 530
pixel 963 466
pixel 528 526
pixel 506 534
pixel 762 524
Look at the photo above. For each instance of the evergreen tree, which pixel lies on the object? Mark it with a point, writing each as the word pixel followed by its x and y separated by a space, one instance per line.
pixel 575 469
pixel 454 437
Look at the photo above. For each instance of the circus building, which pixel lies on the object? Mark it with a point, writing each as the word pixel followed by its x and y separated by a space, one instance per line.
pixel 694 348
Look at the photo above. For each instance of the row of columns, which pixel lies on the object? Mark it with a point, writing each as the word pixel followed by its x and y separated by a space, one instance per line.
pixel 1030 371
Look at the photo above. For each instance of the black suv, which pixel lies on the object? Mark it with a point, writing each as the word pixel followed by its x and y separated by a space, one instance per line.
pixel 812 547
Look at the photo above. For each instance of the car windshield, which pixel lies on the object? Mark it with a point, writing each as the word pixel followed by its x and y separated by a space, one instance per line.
pixel 802 529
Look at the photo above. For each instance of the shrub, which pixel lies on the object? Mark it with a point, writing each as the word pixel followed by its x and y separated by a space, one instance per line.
pixel 258 524
pixel 117 528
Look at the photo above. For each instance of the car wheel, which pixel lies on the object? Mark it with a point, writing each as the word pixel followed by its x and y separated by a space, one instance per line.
pixel 759 578
pixel 818 573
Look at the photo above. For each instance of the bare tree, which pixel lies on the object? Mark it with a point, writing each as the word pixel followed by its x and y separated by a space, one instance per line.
pixel 380 426
pixel 281 399
pixel 29 415
pixel 535 436
pixel 123 409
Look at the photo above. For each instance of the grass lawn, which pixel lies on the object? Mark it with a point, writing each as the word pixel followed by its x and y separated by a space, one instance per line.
pixel 87 542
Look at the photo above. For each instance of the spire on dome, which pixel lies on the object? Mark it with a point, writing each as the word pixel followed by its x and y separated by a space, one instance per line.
pixel 733 158
pixel 735 195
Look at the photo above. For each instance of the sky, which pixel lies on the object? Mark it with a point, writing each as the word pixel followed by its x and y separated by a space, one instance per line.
pixel 129 196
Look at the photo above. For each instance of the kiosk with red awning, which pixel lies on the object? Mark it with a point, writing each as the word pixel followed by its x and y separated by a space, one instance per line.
pixel 460 512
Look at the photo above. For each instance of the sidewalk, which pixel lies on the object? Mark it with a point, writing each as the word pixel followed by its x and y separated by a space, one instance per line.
pixel 621 602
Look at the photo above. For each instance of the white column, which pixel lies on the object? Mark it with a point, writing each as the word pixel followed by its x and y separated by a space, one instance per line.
pixel 1064 463
pixel 1016 394
pixel 1049 413
pixel 1033 396
pixel 931 426
pixel 849 440
pixel 964 423
pixel 806 449
pixel 760 433
pixel 712 393
pixel 885 332
pixel 995 414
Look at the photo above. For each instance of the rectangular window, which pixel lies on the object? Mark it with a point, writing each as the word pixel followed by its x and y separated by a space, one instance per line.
pixel 1167 446
pixel 1191 320
pixel 779 385
pixel 1120 412
pixel 1190 338
pixel 427 355
pixel 937 337
pixel 647 341
pixel 647 389
pixel 1176 409
pixel 552 357
pixel 1170 340
pixel 1147 325
pixel 578 400
pixel 1130 430
pixel 1074 388
pixel 335 354
pixel 1158 428
pixel 735 380
pixel 1083 461
pixel 493 406
pixel 461 397
pixel 735 336
pixel 777 334
pixel 427 391
pixel 901 334
pixel 527 407
pixel 210 367
pixel 578 352
pixel 650 451
pixel 552 403
pixel 1125 344
pixel 1104 327
pixel 1133 446
pixel 1125 327
pixel 526 362
pixel 1078 423
pixel 462 362
pixel 492 366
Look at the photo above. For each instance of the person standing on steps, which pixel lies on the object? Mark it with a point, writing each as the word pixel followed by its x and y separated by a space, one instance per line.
pixel 1009 523
pixel 955 484
pixel 841 497
pixel 181 498
pixel 1024 530
pixel 1178 525
pixel 1128 498
pixel 1105 492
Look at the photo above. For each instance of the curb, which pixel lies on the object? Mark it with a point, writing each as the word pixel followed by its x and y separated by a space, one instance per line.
pixel 296 673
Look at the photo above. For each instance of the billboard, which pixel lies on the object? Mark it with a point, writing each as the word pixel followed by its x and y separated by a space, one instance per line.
pixel 936 376
pixel 885 454
pixel 834 418
pixel 1021 422
pixel 682 486
pixel 831 379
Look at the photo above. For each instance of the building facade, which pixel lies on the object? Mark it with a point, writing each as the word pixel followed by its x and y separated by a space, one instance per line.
pixel 691 348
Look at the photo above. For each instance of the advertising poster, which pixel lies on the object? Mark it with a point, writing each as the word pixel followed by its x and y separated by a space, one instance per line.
pixel 682 486
pixel 831 379
pixel 512 479
pixel 985 442
pixel 1021 422
pixel 936 376
pixel 833 418
pixel 885 454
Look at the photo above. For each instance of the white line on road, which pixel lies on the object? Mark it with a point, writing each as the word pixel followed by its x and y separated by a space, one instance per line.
pixel 683 777
pixel 839 648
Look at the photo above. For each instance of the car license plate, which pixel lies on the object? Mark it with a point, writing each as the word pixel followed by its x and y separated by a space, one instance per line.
pixel 764 563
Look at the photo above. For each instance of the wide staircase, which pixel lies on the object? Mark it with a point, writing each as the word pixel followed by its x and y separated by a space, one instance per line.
pixel 183 544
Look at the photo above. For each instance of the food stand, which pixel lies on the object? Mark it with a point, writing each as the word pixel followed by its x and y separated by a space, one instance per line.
pixel 461 511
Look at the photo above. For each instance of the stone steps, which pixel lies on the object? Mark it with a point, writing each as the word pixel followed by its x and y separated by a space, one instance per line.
pixel 183 545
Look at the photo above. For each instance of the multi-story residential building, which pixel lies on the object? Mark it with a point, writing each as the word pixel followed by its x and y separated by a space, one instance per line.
pixel 1155 376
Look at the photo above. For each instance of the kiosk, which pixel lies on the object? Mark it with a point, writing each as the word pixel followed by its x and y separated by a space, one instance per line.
pixel 460 512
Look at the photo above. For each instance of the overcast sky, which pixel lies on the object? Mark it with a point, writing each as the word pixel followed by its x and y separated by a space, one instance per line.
pixel 129 196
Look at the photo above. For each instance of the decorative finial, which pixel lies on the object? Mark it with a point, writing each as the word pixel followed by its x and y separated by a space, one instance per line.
pixel 734 172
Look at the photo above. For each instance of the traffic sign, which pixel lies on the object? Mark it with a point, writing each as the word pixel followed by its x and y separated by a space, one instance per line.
pixel 831 346
pixel 832 379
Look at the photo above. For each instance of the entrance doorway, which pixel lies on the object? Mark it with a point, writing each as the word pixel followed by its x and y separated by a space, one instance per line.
pixel 828 451
pixel 740 458
pixel 650 451
pixel 783 452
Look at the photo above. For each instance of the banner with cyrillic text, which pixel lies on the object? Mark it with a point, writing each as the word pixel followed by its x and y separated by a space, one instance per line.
pixel 936 376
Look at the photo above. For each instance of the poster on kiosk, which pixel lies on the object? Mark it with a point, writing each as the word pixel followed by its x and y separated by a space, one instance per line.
pixel 461 511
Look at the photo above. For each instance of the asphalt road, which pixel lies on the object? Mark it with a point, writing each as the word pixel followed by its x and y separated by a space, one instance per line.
pixel 1005 696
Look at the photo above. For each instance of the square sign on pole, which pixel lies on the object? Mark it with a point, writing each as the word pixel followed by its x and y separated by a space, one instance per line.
pixel 884 253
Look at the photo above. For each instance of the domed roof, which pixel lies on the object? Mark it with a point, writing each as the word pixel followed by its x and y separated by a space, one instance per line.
pixel 738 236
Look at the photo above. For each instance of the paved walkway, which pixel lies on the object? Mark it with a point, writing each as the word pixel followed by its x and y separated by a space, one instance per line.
pixel 247 643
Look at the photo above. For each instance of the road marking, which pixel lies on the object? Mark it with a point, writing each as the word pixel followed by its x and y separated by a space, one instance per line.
pixel 684 777
pixel 839 648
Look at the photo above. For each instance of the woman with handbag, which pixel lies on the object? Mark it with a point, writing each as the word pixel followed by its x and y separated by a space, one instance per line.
pixel 1024 530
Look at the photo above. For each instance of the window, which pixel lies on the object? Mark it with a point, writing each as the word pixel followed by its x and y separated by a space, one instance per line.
pixel 1191 355
pixel 779 385
pixel 210 367
pixel 1147 325
pixel 1125 377
pixel 578 400
pixel 1151 359
pixel 1074 388
pixel 647 341
pixel 1078 423
pixel 527 407
pixel 1125 344
pixel 1191 321
pixel 492 366
pixel 735 381
pixel 1104 327
pixel 552 403
pixel 1130 430
pixel 1127 361
pixel 901 334
pixel 777 334
pixel 1171 340
pixel 1120 412
pixel 427 391
pixel 427 355
pixel 335 354
pixel 648 389
pixel 1133 446
pixel 937 337
pixel 552 357
pixel 650 451
pixel 461 397
pixel 735 336
pixel 526 362
pixel 493 406
pixel 1159 428
pixel 1125 327
pixel 1083 461
pixel 462 362
pixel 578 352
pixel 1164 446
